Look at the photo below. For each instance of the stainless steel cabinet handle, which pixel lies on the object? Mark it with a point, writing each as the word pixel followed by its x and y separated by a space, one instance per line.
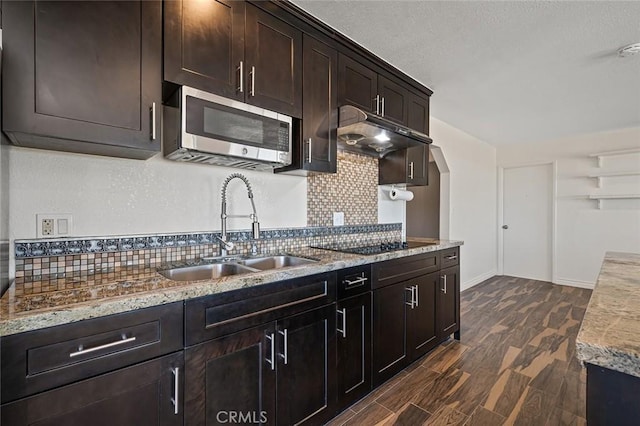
pixel 241 77
pixel 153 121
pixel 343 312
pixel 411 170
pixel 271 361
pixel 176 389
pixel 253 81
pixel 83 351
pixel 310 141
pixel 383 106
pixel 416 295
pixel 411 303
pixel 452 257
pixel 444 285
pixel 285 355
pixel 377 101
pixel 351 283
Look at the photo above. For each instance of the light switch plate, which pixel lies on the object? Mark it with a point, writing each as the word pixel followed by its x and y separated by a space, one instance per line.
pixel 338 218
pixel 53 225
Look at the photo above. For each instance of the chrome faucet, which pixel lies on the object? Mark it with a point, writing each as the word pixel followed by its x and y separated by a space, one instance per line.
pixel 228 245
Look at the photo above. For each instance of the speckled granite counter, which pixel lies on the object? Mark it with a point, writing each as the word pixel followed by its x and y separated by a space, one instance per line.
pixel 128 289
pixel 610 333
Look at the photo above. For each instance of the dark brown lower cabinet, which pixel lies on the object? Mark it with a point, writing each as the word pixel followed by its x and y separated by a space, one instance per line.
pixel 306 354
pixel 278 373
pixel 612 397
pixel 353 326
pixel 149 393
pixel 232 376
pixel 449 303
pixel 422 318
pixel 390 330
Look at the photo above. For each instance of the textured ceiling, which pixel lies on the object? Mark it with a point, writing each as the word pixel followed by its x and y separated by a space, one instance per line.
pixel 507 72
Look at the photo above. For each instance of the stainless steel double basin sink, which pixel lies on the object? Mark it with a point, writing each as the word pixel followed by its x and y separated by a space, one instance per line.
pixel 233 266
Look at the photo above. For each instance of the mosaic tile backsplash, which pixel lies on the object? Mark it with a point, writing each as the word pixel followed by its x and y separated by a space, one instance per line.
pixel 39 263
pixel 352 190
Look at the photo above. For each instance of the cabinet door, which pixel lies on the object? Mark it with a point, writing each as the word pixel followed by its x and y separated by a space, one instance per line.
pixel 204 45
pixel 389 330
pixel 394 100
pixel 422 321
pixel 353 325
pixel 319 109
pixel 84 76
pixel 357 85
pixel 449 302
pixel 306 367
pixel 231 374
pixel 417 163
pixel 418 113
pixel 144 394
pixel 273 52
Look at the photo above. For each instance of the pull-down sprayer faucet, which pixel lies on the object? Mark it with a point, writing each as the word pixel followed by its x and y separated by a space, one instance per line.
pixel 227 245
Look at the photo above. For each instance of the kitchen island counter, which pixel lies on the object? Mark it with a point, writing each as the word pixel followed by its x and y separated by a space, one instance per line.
pixel 610 333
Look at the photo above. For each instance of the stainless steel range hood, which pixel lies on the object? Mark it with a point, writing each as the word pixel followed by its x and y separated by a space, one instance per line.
pixel 369 134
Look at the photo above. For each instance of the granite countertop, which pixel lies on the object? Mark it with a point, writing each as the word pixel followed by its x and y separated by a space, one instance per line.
pixel 127 289
pixel 610 333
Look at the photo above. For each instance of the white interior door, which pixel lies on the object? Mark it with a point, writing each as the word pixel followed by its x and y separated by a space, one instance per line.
pixel 527 221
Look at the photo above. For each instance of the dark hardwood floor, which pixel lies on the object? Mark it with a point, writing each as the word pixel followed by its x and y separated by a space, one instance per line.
pixel 514 365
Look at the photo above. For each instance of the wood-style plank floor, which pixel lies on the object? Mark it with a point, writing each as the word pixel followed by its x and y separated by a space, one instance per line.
pixel 514 365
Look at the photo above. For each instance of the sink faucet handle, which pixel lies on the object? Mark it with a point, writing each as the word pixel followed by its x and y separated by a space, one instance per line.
pixel 228 245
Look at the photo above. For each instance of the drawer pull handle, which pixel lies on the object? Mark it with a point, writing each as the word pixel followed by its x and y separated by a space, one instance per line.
pixel 452 257
pixel 83 351
pixel 176 389
pixel 272 341
pixel 351 283
pixel 343 312
pixel 285 355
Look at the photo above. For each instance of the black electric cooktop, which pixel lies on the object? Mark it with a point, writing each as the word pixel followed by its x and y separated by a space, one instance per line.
pixel 375 249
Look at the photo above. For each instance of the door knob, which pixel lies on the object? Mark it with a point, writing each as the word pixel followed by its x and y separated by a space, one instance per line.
pixel 505 226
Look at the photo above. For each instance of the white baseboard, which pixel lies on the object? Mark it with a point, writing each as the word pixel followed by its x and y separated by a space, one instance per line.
pixel 574 283
pixel 477 280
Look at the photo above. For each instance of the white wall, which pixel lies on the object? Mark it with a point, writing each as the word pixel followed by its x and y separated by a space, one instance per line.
pixel 472 200
pixel 583 232
pixel 111 196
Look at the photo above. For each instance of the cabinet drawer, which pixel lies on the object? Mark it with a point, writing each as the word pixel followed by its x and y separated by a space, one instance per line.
pixel 354 281
pixel 397 270
pixel 43 359
pixel 450 257
pixel 221 314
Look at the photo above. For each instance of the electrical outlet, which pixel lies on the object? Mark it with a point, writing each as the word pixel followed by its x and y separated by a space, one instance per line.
pixel 51 225
pixel 338 218
pixel 47 226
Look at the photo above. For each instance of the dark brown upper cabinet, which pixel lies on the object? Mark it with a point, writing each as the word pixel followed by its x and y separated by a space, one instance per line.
pixel 360 86
pixel 408 166
pixel 83 76
pixel 316 149
pixel 418 113
pixel 235 50
pixel 393 101
pixel 204 45
pixel 357 84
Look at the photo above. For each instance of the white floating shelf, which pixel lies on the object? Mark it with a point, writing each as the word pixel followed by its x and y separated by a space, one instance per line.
pixel 613 197
pixel 601 175
pixel 600 155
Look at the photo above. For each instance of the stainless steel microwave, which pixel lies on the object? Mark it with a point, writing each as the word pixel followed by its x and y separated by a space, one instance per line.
pixel 201 127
